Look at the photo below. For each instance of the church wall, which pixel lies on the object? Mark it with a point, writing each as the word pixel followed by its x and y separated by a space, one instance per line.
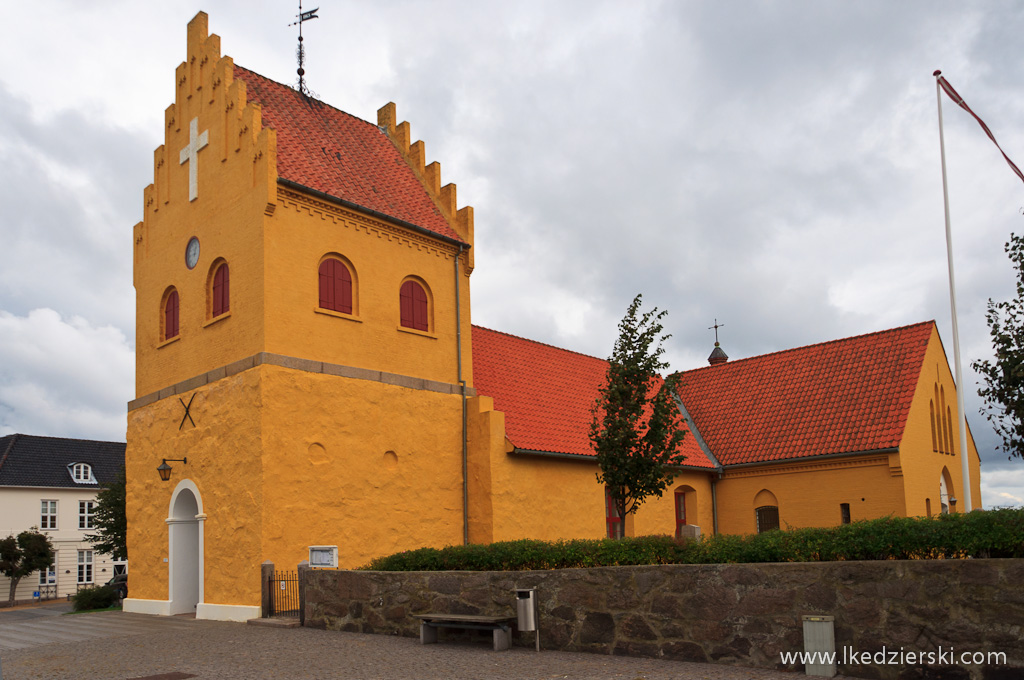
pixel 658 515
pixel 223 452
pixel 380 256
pixel 486 443
pixel 922 464
pixel 809 494
pixel 370 467
pixel 550 498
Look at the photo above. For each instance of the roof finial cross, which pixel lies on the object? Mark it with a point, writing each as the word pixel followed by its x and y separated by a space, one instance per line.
pixel 301 51
pixel 716 327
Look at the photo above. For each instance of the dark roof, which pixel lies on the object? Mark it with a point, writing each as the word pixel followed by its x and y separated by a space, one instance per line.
pixel 28 460
pixel 333 152
pixel 845 396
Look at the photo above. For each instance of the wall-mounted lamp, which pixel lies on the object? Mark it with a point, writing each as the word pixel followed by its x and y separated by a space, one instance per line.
pixel 165 469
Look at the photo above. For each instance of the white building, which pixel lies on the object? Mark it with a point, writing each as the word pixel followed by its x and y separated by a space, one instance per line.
pixel 51 483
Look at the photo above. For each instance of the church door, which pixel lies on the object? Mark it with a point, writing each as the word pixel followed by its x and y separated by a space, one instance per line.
pixel 184 569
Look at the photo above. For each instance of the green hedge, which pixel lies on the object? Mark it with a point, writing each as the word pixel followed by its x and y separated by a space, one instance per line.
pixel 99 597
pixel 995 533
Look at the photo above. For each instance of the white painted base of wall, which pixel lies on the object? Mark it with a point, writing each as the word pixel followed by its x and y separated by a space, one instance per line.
pixel 155 607
pixel 226 612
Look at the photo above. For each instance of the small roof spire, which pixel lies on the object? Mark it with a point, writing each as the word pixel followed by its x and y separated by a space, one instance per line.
pixel 718 355
pixel 300 53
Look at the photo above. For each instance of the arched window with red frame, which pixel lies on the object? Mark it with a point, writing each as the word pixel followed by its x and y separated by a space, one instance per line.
pixel 170 313
pixel 221 291
pixel 335 286
pixel 413 305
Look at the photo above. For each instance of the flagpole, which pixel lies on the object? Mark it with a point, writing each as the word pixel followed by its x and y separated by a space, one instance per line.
pixel 964 462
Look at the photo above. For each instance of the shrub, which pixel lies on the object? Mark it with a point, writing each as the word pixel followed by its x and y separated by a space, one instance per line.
pixel 994 533
pixel 100 597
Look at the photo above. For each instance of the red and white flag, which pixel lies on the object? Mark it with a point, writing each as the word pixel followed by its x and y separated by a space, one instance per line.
pixel 959 101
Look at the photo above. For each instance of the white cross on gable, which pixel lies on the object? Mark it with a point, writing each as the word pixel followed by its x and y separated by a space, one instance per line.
pixel 190 155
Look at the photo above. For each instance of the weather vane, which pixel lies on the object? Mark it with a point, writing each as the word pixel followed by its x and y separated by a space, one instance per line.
pixel 301 52
pixel 716 327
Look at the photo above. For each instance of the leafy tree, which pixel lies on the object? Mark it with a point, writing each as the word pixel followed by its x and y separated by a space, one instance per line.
pixel 31 551
pixel 1003 390
pixel 635 429
pixel 110 519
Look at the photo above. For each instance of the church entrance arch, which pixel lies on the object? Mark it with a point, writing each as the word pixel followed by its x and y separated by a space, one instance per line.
pixel 185 549
pixel 947 499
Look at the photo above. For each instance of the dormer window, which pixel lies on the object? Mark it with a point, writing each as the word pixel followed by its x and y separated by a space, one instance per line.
pixel 81 473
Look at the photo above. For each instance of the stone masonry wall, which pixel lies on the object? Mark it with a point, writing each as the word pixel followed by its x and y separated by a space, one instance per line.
pixel 744 614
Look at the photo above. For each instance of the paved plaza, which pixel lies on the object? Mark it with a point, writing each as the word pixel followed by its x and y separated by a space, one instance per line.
pixel 41 643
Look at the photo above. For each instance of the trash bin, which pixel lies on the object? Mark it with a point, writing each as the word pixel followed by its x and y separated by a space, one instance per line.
pixel 820 640
pixel 526 609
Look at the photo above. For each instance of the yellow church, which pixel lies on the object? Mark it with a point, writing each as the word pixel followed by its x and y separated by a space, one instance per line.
pixel 307 374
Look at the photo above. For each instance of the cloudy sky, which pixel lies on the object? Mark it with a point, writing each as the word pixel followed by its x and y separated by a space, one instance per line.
pixel 774 165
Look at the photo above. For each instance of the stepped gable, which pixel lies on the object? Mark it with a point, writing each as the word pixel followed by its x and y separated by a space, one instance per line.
pixel 333 152
pixel 30 460
pixel 843 396
pixel 546 393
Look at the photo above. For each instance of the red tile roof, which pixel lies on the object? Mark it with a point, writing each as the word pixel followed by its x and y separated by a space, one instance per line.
pixel 842 396
pixel 340 155
pixel 546 393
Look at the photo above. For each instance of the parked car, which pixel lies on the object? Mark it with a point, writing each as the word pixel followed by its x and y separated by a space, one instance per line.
pixel 120 584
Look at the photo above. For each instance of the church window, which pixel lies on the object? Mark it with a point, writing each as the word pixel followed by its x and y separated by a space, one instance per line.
pixel 680 512
pixel 170 315
pixel 335 286
pixel 413 306
pixel 612 518
pixel 949 419
pixel 935 439
pixel 767 517
pixel 220 290
pixel 844 513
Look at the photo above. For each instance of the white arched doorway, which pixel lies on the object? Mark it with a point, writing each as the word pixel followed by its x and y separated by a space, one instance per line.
pixel 947 497
pixel 185 549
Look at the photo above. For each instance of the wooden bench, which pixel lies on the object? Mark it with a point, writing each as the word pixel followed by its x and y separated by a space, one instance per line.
pixel 500 625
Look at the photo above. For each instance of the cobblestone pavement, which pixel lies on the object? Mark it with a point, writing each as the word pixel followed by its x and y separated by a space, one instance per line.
pixel 122 646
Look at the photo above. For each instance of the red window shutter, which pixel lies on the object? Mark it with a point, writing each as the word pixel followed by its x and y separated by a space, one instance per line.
pixel 680 512
pixel 221 293
pixel 419 307
pixel 405 296
pixel 335 286
pixel 171 316
pixel 342 288
pixel 327 284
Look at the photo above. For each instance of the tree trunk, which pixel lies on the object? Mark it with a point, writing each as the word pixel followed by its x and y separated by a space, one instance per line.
pixel 14 587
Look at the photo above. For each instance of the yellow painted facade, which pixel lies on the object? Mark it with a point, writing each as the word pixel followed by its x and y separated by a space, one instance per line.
pixel 304 426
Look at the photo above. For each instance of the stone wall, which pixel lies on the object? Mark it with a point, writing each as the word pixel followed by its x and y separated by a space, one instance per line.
pixel 740 614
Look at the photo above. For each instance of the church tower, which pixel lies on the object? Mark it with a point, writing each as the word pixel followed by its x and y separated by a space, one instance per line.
pixel 303 354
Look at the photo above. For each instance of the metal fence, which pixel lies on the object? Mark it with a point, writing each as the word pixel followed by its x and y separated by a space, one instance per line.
pixel 284 594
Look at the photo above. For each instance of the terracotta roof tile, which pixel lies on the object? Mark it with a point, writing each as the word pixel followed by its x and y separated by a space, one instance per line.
pixel 842 396
pixel 546 393
pixel 323 148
